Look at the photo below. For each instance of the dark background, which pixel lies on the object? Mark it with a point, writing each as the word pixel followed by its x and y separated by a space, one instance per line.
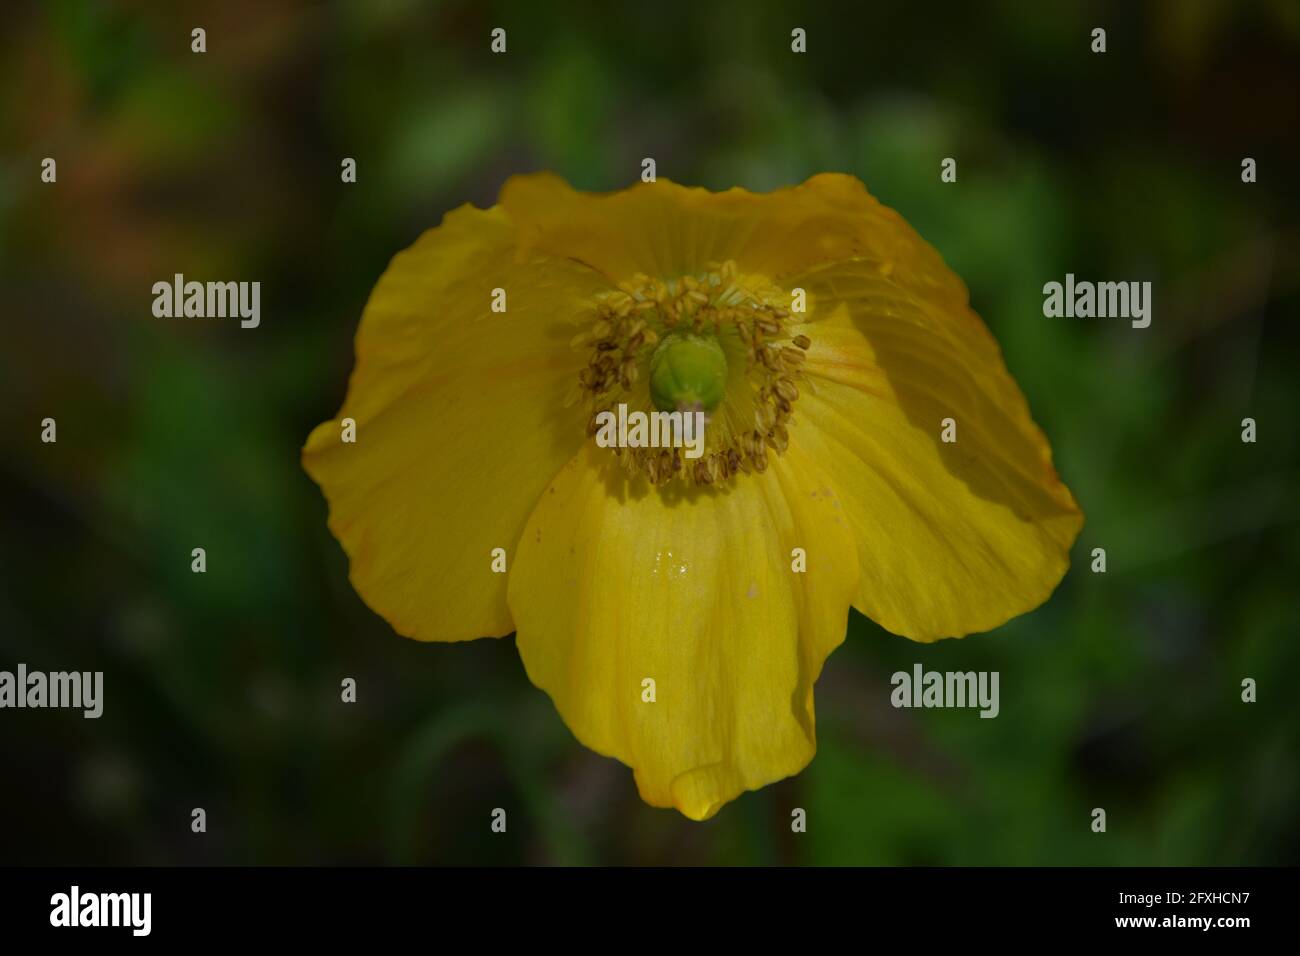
pixel 222 689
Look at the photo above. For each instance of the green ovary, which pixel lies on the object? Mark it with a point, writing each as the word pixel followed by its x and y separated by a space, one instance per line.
pixel 687 371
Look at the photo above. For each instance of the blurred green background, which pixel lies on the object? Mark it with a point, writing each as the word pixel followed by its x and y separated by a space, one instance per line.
pixel 222 690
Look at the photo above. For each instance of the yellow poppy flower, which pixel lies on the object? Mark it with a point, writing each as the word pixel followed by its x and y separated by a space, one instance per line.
pixel 678 610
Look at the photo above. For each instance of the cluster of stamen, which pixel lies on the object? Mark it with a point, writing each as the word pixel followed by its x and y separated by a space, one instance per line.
pixel 631 321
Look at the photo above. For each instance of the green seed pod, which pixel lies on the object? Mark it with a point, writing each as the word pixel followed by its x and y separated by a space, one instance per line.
pixel 688 371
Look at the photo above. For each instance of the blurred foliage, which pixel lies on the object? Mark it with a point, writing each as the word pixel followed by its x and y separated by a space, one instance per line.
pixel 1121 692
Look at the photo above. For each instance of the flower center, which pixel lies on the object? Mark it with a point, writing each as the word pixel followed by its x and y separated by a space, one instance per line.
pixel 714 342
pixel 688 372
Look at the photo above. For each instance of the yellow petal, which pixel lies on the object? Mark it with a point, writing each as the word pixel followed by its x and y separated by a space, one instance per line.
pixel 618 583
pixel 664 230
pixel 460 423
pixel 952 538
